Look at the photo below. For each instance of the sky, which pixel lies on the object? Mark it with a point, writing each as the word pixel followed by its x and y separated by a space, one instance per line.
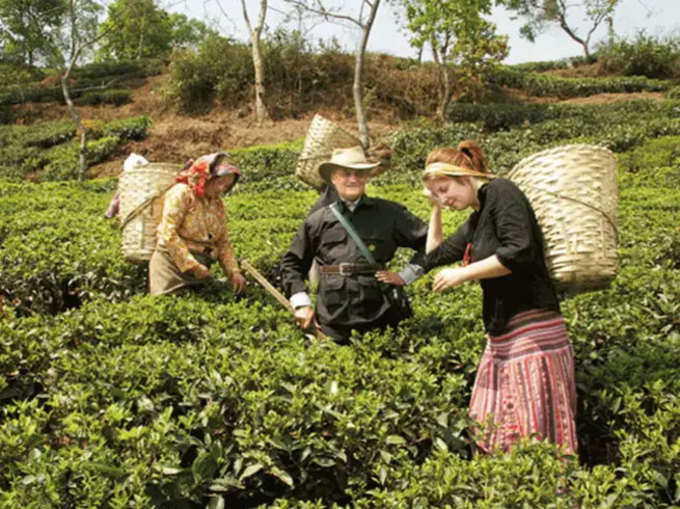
pixel 655 17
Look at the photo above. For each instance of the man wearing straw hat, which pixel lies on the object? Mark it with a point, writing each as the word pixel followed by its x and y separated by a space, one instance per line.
pixel 352 239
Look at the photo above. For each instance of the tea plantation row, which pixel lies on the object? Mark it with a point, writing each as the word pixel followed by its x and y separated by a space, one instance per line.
pixel 52 151
pixel 111 398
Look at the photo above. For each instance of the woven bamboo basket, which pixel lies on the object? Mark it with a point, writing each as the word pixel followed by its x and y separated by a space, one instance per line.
pixel 141 192
pixel 322 137
pixel 573 191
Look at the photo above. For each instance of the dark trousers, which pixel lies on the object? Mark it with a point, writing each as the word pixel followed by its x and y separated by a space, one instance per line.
pixel 341 333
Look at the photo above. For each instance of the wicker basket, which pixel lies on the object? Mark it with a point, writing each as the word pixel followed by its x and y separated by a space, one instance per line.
pixel 141 192
pixel 573 190
pixel 322 137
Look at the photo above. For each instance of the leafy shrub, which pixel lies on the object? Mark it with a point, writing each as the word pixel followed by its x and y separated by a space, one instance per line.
pixel 673 93
pixel 221 68
pixel 298 77
pixel 6 114
pixel 644 55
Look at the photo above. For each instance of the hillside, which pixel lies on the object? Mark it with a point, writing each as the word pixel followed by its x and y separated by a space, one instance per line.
pixel 177 137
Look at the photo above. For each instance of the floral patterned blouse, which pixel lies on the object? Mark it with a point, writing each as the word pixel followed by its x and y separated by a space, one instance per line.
pixel 190 224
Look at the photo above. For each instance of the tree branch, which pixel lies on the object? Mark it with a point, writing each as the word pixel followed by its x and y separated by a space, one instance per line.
pixel 322 11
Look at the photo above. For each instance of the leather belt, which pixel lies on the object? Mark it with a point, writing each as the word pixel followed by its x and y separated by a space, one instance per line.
pixel 351 269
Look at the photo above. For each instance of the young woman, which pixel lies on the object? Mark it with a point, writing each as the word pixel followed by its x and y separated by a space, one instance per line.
pixel 525 380
pixel 192 233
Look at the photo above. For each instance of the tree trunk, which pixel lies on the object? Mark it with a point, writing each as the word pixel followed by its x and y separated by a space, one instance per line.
pixel 258 64
pixel 140 46
pixel 567 29
pixel 358 86
pixel 444 81
pixel 82 159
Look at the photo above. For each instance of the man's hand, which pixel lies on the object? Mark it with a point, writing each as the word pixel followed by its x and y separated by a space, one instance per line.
pixel 238 282
pixel 449 278
pixel 304 316
pixel 391 278
pixel 201 271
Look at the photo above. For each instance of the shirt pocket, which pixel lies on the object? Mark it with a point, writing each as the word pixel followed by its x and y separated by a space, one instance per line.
pixel 382 247
pixel 332 296
pixel 366 295
pixel 368 289
pixel 333 246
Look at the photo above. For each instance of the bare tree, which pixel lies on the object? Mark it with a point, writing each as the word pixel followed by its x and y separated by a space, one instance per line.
pixel 78 34
pixel 255 33
pixel 540 13
pixel 364 20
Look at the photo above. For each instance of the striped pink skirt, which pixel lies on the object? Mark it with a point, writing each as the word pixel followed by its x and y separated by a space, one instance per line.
pixel 525 385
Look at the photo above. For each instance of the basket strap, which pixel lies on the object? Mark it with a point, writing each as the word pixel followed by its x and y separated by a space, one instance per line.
pixel 597 209
pixel 142 206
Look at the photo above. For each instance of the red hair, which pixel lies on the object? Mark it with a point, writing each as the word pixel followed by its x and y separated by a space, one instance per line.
pixel 467 155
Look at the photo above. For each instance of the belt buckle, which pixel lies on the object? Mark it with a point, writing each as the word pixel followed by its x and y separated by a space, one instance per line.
pixel 346 269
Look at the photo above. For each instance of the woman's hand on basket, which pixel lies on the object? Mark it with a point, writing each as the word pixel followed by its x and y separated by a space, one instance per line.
pixel 448 278
pixel 238 282
pixel 391 278
pixel 201 271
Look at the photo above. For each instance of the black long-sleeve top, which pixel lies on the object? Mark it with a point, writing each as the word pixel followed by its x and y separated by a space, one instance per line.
pixel 359 300
pixel 505 226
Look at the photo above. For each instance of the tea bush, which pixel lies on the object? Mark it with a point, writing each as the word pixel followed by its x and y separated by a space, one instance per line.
pixel 267 162
pixel 113 398
pixel 21 146
pixel 550 65
pixel 618 127
pixel 504 116
pixel 100 75
pixel 541 85
pixel 117 97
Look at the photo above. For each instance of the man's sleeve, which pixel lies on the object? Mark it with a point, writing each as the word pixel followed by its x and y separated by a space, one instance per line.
pixel 297 261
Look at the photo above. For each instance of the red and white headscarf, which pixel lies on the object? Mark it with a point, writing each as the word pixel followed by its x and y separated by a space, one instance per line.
pixel 196 173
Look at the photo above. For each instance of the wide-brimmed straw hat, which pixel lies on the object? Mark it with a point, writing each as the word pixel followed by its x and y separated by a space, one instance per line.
pixel 352 158
pixel 440 169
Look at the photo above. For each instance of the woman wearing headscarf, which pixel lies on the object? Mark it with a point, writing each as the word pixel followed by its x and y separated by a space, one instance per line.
pixel 525 380
pixel 192 233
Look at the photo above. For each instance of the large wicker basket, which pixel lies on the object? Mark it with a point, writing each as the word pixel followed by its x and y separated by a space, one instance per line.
pixel 322 137
pixel 141 190
pixel 573 190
